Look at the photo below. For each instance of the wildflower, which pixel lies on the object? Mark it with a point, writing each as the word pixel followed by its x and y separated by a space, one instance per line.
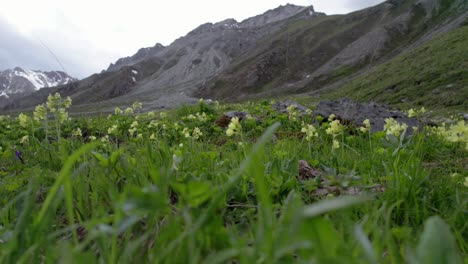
pixel 139 136
pixel 366 126
pixel 200 101
pixel 309 111
pixel 234 127
pixel 392 127
pixel 137 106
pixel 25 140
pixel 117 111
pixel 186 132
pixel 53 102
pixel 128 111
pixel 197 133
pixel 67 102
pixel 335 128
pixel 331 117
pixel 411 113
pixel 292 112
pixel 23 120
pixel 19 155
pixel 113 129
pixel 163 115
pixel 309 130
pixel 336 144
pixel 152 137
pixel 62 115
pixel 202 117
pixel 466 182
pixel 92 138
pixel 105 139
pixel 40 112
pixel 132 131
pixel 191 117
pixel 77 132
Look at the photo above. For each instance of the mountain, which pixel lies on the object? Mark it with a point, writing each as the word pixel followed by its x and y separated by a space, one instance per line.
pixel 142 54
pixel 18 80
pixel 286 50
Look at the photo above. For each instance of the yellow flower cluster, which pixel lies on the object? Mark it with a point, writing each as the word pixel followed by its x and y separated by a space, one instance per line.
pixel 77 132
pixel 196 133
pixel 202 117
pixel 416 113
pixel 234 127
pixel 24 120
pixel 137 106
pixel 392 127
pixel 133 128
pixel 454 133
pixel 335 128
pixel 40 113
pixel 113 129
pixel 309 131
pixel 292 113
pixel 366 126
pixel 25 140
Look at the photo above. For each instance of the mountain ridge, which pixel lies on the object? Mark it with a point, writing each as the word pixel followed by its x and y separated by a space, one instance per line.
pixel 304 52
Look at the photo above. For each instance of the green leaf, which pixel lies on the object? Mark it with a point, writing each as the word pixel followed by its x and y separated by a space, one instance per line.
pixel 327 206
pixel 366 245
pixel 437 244
pixel 194 193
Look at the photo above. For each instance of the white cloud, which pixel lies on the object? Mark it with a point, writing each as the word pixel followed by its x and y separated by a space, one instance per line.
pixel 90 34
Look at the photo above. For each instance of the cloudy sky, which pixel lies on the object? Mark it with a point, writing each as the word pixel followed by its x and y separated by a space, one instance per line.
pixel 84 36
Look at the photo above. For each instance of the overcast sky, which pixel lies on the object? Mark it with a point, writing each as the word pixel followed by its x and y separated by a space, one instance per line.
pixel 87 35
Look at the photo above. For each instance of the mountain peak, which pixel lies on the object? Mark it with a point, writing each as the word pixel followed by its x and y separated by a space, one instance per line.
pixel 274 15
pixel 19 80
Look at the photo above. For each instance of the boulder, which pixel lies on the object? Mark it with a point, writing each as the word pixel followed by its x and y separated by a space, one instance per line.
pixel 354 113
pixel 283 107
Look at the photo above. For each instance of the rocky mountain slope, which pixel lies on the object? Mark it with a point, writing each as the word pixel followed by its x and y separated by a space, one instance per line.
pixel 287 50
pixel 18 80
pixel 16 83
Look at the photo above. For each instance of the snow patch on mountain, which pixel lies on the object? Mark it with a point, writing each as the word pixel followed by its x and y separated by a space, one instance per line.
pixel 20 80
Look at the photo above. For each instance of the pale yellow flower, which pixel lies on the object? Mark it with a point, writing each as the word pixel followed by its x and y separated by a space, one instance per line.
pixel 137 106
pixel 24 120
pixel 309 130
pixel 366 126
pixel 335 128
pixel 25 140
pixel 197 133
pixel 77 132
pixel 113 129
pixel 40 112
pixel 117 111
pixel 336 144
pixel 234 127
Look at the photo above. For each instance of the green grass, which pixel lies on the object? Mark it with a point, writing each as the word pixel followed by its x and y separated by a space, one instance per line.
pixel 164 198
pixel 432 75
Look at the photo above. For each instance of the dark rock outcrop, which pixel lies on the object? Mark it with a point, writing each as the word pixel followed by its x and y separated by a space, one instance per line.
pixel 351 112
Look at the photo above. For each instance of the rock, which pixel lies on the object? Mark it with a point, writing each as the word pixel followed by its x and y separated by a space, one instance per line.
pixel 225 119
pixel 306 172
pixel 465 117
pixel 354 113
pixel 283 107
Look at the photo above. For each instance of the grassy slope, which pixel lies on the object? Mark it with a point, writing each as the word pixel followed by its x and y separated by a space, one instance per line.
pixel 173 199
pixel 434 75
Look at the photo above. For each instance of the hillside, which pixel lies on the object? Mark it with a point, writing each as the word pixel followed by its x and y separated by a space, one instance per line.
pixel 432 75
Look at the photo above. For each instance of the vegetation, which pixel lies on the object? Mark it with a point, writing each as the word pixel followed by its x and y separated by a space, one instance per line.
pixel 178 187
pixel 431 75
